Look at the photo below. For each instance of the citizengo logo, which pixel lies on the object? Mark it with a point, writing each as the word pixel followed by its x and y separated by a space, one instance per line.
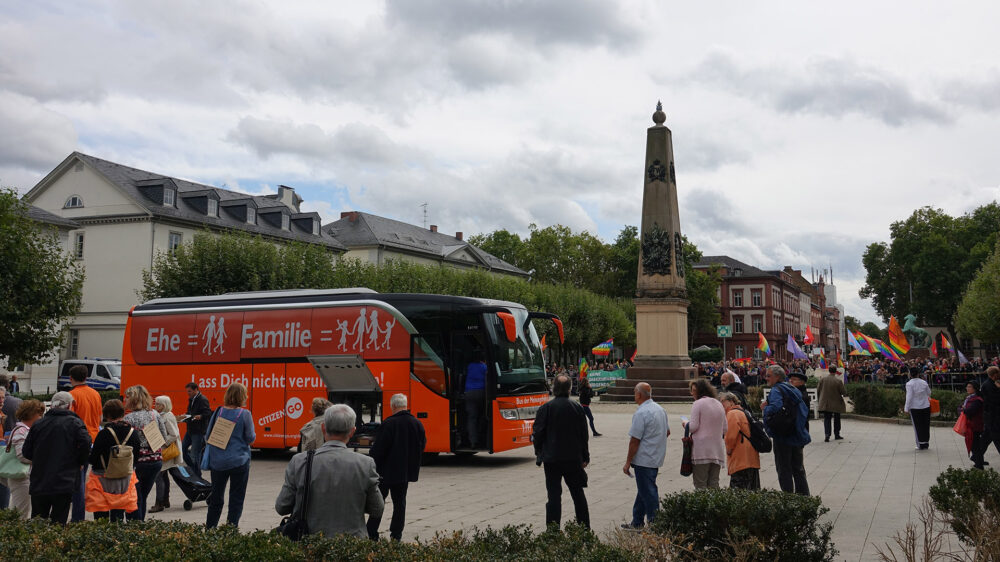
pixel 294 408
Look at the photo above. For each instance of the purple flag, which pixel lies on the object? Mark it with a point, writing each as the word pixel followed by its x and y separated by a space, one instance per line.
pixel 961 358
pixel 795 349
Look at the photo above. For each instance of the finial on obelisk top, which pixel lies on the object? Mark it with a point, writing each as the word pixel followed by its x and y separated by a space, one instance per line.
pixel 659 117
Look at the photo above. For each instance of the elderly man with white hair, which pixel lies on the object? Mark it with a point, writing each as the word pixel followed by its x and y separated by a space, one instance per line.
pixel 397 450
pixel 58 446
pixel 343 486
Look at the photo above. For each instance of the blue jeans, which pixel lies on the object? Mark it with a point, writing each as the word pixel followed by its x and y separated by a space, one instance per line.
pixel 146 474
pixel 237 478
pixel 647 498
pixel 196 442
pixel 79 497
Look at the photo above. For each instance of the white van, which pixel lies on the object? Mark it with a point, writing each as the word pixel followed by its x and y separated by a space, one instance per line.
pixel 102 374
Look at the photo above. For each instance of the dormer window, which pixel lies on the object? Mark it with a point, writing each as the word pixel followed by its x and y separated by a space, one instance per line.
pixel 315 228
pixel 73 202
pixel 251 215
pixel 284 221
pixel 213 207
pixel 168 197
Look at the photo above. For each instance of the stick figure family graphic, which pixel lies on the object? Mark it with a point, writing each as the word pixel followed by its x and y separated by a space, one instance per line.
pixel 213 334
pixel 365 326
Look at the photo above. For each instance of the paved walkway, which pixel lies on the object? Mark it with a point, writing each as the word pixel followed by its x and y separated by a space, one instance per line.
pixel 871 481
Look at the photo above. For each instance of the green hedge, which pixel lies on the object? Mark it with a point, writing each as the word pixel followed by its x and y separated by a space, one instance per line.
pixel 711 354
pixel 711 523
pixel 887 401
pixel 157 541
pixel 971 499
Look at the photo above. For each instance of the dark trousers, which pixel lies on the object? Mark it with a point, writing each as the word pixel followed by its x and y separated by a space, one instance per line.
pixel 576 480
pixel 790 468
pixel 990 435
pixel 590 417
pixel 921 426
pixel 79 512
pixel 647 500
pixel 474 416
pixel 977 448
pixel 398 492
pixel 191 448
pixel 115 515
pixel 51 506
pixel 145 473
pixel 237 478
pixel 746 479
pixel 163 489
pixel 836 423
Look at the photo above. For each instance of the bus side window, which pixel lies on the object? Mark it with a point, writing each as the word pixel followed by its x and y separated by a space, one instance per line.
pixel 426 368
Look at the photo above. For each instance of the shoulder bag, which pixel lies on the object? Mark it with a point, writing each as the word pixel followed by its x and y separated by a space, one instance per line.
pixel 11 467
pixel 687 467
pixel 294 526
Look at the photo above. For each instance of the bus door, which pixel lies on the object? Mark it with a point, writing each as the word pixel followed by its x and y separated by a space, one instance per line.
pixel 267 404
pixel 471 408
pixel 431 394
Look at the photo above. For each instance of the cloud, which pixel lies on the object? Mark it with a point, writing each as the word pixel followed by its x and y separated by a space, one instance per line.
pixel 983 94
pixel 354 143
pixel 825 86
pixel 33 136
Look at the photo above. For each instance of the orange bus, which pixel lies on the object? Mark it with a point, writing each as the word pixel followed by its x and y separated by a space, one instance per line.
pixel 349 345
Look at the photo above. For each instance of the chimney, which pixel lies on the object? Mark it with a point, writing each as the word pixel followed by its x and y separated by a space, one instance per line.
pixel 288 196
pixel 434 228
pixel 350 215
pixel 458 235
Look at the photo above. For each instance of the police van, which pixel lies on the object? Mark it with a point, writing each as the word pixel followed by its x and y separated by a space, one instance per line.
pixel 102 374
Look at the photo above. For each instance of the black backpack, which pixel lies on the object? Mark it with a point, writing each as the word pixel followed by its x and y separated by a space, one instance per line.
pixel 758 437
pixel 783 422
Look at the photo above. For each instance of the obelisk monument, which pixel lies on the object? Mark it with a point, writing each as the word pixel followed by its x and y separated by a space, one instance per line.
pixel 661 294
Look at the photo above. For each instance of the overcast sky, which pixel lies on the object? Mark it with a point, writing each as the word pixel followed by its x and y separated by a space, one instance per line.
pixel 801 130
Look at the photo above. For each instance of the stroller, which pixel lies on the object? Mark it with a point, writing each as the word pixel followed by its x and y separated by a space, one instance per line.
pixel 194 487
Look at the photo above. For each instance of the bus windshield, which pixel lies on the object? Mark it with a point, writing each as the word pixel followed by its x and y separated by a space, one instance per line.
pixel 520 368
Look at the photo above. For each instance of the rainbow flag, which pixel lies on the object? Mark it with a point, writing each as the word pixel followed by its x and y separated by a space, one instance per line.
pixel 822 360
pixel 897 339
pixel 583 368
pixel 864 341
pixel 840 362
pixel 854 341
pixel 762 344
pixel 945 344
pixel 603 348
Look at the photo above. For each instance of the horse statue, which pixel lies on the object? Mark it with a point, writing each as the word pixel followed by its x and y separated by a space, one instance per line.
pixel 919 338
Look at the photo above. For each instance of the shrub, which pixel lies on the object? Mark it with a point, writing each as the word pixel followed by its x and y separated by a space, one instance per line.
pixel 969 497
pixel 876 400
pixel 172 540
pixel 710 522
pixel 710 354
pixel 950 402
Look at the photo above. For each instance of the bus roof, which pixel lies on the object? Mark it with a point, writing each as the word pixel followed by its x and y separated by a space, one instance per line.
pixel 297 296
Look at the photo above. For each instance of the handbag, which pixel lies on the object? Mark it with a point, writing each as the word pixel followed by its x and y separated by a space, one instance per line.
pixel 294 526
pixel 206 462
pixel 171 451
pixel 962 425
pixel 119 463
pixel 687 467
pixel 11 467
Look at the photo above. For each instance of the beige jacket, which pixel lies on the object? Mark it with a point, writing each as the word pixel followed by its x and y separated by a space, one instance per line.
pixel 831 392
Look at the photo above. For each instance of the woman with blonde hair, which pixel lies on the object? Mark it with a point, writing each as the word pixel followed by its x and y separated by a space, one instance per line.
pixel 164 407
pixel 148 462
pixel 232 463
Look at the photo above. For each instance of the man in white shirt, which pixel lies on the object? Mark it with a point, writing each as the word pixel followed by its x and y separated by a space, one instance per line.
pixel 646 450
pixel 918 405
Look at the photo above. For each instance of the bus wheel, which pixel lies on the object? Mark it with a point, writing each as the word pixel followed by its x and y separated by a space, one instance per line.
pixel 428 458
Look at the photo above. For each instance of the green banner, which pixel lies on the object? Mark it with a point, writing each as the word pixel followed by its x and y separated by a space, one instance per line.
pixel 601 380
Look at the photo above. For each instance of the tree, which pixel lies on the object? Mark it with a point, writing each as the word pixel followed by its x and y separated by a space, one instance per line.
pixel 852 323
pixel 235 261
pixel 929 260
pixel 978 314
pixel 40 286
pixel 703 296
pixel 503 244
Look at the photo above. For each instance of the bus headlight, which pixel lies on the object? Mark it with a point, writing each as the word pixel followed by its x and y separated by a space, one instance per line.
pixel 510 414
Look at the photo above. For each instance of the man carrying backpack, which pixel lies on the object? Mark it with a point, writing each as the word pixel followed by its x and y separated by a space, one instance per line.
pixel 785 417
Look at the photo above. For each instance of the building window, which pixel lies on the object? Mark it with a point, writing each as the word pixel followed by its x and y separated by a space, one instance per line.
pixel 168 197
pixel 174 240
pixel 73 202
pixel 284 221
pixel 738 298
pixel 213 207
pixel 737 324
pixel 776 322
pixel 758 323
pixel 315 228
pixel 757 354
pixel 775 298
pixel 739 351
pixel 251 215
pixel 755 298
pixel 74 343
pixel 78 245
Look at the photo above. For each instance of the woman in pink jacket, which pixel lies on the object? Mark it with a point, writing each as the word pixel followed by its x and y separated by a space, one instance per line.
pixel 707 428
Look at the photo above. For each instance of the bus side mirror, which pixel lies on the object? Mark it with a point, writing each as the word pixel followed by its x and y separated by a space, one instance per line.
pixel 559 326
pixel 509 327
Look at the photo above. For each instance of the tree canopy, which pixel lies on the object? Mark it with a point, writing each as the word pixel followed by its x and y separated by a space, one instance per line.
pixel 40 286
pixel 978 313
pixel 930 259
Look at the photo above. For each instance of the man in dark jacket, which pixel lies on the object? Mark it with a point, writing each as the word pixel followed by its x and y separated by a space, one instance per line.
pixel 194 439
pixel 397 450
pixel 560 438
pixel 58 445
pixel 990 391
pixel 788 460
